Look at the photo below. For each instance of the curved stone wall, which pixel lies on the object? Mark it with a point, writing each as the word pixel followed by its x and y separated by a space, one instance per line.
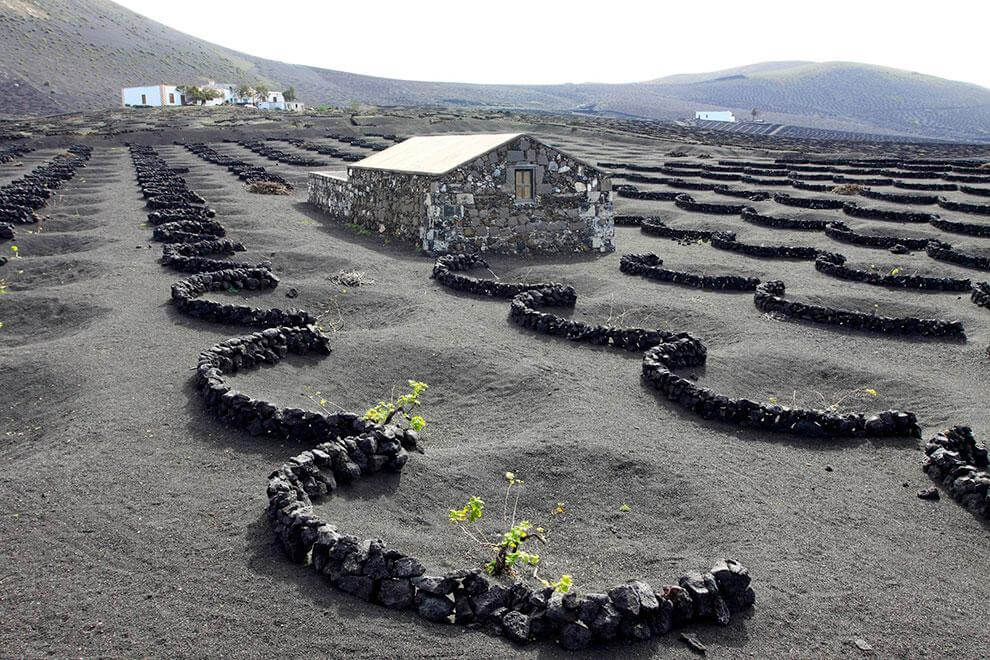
pixel 651 267
pixel 840 231
pixel 656 227
pixel 807 202
pixel 751 215
pixel 723 241
pixel 768 299
pixel 957 227
pixel 945 252
pixel 688 203
pixel 890 215
pixel 964 207
pixel 834 265
pixel 899 198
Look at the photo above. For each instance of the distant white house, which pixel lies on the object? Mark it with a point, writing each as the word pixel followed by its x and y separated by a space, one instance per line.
pixel 715 115
pixel 159 95
pixel 151 95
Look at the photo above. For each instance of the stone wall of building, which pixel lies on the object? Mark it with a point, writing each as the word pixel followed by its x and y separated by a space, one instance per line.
pixel 473 208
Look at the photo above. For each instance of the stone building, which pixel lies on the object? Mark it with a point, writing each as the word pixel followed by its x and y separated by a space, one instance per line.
pixel 505 192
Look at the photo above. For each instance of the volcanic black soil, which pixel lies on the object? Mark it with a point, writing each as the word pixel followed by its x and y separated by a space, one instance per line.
pixel 132 523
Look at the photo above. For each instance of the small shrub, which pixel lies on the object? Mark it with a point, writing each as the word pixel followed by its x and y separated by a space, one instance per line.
pixel 511 547
pixel 403 406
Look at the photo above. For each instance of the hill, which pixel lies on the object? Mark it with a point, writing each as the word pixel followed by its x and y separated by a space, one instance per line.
pixel 61 57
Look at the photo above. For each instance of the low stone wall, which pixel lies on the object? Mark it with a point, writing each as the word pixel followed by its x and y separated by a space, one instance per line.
pixel 964 207
pixel 834 266
pixel 686 202
pixel 656 227
pixel 954 460
pixel 812 187
pixel 768 299
pixel 840 231
pixel 6 231
pixel 185 296
pixel 751 215
pixel 910 185
pixel 751 195
pixel 898 198
pixel 186 231
pixel 632 192
pixel 764 181
pixel 667 350
pixel 651 267
pixel 973 190
pixel 855 210
pixel 807 202
pixel 838 180
pixel 723 241
pixel 956 227
pixel 945 252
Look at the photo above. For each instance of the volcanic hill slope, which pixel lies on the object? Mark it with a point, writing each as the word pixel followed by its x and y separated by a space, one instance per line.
pixel 113 47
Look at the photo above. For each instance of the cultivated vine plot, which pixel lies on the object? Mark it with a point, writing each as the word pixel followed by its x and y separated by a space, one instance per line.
pixel 732 430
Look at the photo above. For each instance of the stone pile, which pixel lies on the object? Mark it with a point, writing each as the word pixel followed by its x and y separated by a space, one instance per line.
pixel 13 152
pixel 954 460
pixel 651 267
pixel 981 294
pixel 768 299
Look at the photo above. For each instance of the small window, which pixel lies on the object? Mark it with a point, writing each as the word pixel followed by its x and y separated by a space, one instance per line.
pixel 524 185
pixel 144 99
pixel 171 99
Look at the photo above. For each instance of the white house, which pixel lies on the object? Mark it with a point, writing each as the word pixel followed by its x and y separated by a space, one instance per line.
pixel 227 92
pixel 151 95
pixel 715 115
pixel 295 106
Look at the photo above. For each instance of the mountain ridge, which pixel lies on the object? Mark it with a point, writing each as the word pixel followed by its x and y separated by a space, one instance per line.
pixel 115 47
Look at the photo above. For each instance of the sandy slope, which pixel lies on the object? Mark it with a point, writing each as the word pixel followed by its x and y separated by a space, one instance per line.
pixel 132 524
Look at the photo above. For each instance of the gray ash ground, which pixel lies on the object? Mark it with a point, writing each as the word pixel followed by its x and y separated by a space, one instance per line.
pixel 132 523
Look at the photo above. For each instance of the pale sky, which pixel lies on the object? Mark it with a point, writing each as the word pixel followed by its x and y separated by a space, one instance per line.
pixel 549 41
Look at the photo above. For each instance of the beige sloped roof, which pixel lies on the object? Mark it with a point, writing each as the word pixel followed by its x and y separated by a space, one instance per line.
pixel 434 154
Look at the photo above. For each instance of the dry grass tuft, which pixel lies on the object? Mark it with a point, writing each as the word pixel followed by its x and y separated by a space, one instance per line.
pixel 847 189
pixel 351 278
pixel 267 188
